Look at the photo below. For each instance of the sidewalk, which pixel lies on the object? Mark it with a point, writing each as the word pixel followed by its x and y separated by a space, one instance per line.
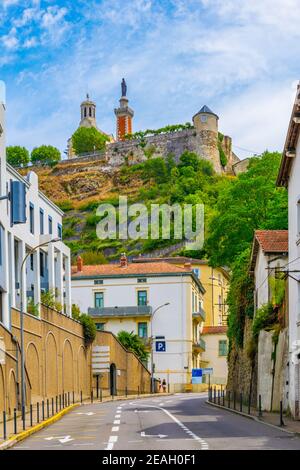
pixel 268 418
pixel 38 422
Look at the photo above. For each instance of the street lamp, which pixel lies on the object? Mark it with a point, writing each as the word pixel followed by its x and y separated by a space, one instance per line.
pixel 30 252
pixel 151 319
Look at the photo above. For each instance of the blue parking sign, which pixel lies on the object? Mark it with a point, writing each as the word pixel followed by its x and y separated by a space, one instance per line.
pixel 160 346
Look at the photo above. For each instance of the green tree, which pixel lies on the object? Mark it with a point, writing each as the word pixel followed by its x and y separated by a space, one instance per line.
pixel 17 156
pixel 189 159
pixel 88 139
pixel 133 343
pixel 45 155
pixel 248 203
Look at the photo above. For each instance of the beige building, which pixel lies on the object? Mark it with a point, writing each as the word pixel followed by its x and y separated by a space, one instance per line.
pixel 215 282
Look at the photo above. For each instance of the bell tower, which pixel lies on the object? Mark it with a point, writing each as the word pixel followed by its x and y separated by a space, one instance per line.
pixel 124 114
pixel 88 113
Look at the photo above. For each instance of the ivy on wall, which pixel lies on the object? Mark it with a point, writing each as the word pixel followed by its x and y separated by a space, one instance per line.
pixel 223 158
pixel 163 130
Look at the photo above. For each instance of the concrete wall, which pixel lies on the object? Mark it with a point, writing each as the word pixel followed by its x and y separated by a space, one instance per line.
pixel 131 374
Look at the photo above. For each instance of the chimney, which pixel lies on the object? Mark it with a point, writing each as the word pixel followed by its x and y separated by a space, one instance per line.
pixel 79 264
pixel 123 260
pixel 188 265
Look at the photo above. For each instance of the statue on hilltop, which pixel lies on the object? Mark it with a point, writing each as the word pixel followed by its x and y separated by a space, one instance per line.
pixel 123 87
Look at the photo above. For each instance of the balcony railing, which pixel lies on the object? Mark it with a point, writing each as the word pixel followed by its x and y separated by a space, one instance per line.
pixel 199 344
pixel 135 311
pixel 199 314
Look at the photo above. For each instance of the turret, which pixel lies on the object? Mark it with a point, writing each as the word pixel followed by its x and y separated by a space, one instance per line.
pixel 88 113
pixel 206 120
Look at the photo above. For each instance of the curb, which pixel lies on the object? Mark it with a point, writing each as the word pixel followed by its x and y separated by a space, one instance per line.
pixel 24 434
pixel 255 418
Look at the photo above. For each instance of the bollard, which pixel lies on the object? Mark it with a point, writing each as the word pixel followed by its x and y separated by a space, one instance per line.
pixel 259 406
pixel 126 393
pixel 43 410
pixel 69 398
pixel 249 405
pixel 63 400
pixel 30 409
pixel 100 394
pixel 281 415
pixel 92 397
pixel 73 397
pixel 241 402
pixel 234 400
pixel 37 412
pixel 229 399
pixel 59 402
pixel 4 425
pixel 56 403
pixel 66 399
pixel 218 397
pixel 223 397
pixel 48 408
pixel 214 394
pixel 23 418
pixel 80 396
pixel 15 421
pixel 52 404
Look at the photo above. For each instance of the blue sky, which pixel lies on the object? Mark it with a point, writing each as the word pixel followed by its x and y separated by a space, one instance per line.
pixel 239 57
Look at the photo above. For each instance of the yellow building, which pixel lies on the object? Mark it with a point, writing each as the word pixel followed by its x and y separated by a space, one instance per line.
pixel 214 334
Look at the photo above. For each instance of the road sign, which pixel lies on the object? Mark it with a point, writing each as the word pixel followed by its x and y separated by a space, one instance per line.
pixel 160 346
pixel 196 376
pixel 100 359
pixel 208 371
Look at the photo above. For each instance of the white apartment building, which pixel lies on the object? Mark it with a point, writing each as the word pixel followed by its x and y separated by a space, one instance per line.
pixel 154 300
pixel 48 268
pixel 289 176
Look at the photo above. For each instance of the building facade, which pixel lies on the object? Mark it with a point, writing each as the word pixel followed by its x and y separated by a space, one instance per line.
pixel 47 268
pixel 215 282
pixel 151 300
pixel 289 176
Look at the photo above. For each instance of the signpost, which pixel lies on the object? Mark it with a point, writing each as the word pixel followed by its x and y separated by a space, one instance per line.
pixel 208 371
pixel 196 376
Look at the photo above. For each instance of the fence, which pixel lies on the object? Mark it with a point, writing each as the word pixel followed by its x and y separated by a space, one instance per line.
pixel 239 401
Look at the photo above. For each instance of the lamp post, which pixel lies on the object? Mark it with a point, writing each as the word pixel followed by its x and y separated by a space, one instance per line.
pixel 152 377
pixel 23 392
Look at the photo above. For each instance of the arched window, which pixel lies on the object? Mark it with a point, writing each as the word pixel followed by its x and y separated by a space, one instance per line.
pixel 90 112
pixel 84 112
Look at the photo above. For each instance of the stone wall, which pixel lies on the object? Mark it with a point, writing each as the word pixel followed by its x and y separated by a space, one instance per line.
pixel 242 371
pixel 202 142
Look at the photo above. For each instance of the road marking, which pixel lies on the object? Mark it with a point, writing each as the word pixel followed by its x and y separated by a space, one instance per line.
pixel 143 411
pixel 90 413
pixel 117 421
pixel 204 444
pixel 62 439
pixel 84 444
pixel 161 436
pixel 113 439
pixel 109 446
pixel 118 416
pixel 115 428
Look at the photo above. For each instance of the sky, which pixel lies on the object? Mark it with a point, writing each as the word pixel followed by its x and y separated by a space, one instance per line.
pixel 239 57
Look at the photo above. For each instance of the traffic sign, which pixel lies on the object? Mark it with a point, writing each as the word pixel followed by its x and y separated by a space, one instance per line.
pixel 208 371
pixel 160 346
pixel 196 376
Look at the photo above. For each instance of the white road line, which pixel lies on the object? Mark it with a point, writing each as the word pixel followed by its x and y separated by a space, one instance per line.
pixel 112 439
pixel 109 446
pixel 115 428
pixel 116 421
pixel 118 416
pixel 203 443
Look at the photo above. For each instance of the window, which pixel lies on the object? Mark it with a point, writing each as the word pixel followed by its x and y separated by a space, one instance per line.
pixel 42 264
pixel 99 299
pixel 59 230
pixel 41 221
pixel 98 281
pixel 143 330
pixel 31 217
pixel 50 225
pixel 203 118
pixel 142 297
pixel 100 326
pixel 142 279
pixel 220 303
pixel 31 262
pixel 223 347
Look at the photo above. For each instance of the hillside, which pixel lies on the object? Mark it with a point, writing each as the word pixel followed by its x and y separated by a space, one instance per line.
pixel 78 188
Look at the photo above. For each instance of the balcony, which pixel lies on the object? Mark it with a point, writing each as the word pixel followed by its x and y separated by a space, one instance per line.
pixel 199 315
pixel 112 312
pixel 199 345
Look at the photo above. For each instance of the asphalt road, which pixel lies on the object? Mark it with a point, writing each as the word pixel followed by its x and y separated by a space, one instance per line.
pixel 178 422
